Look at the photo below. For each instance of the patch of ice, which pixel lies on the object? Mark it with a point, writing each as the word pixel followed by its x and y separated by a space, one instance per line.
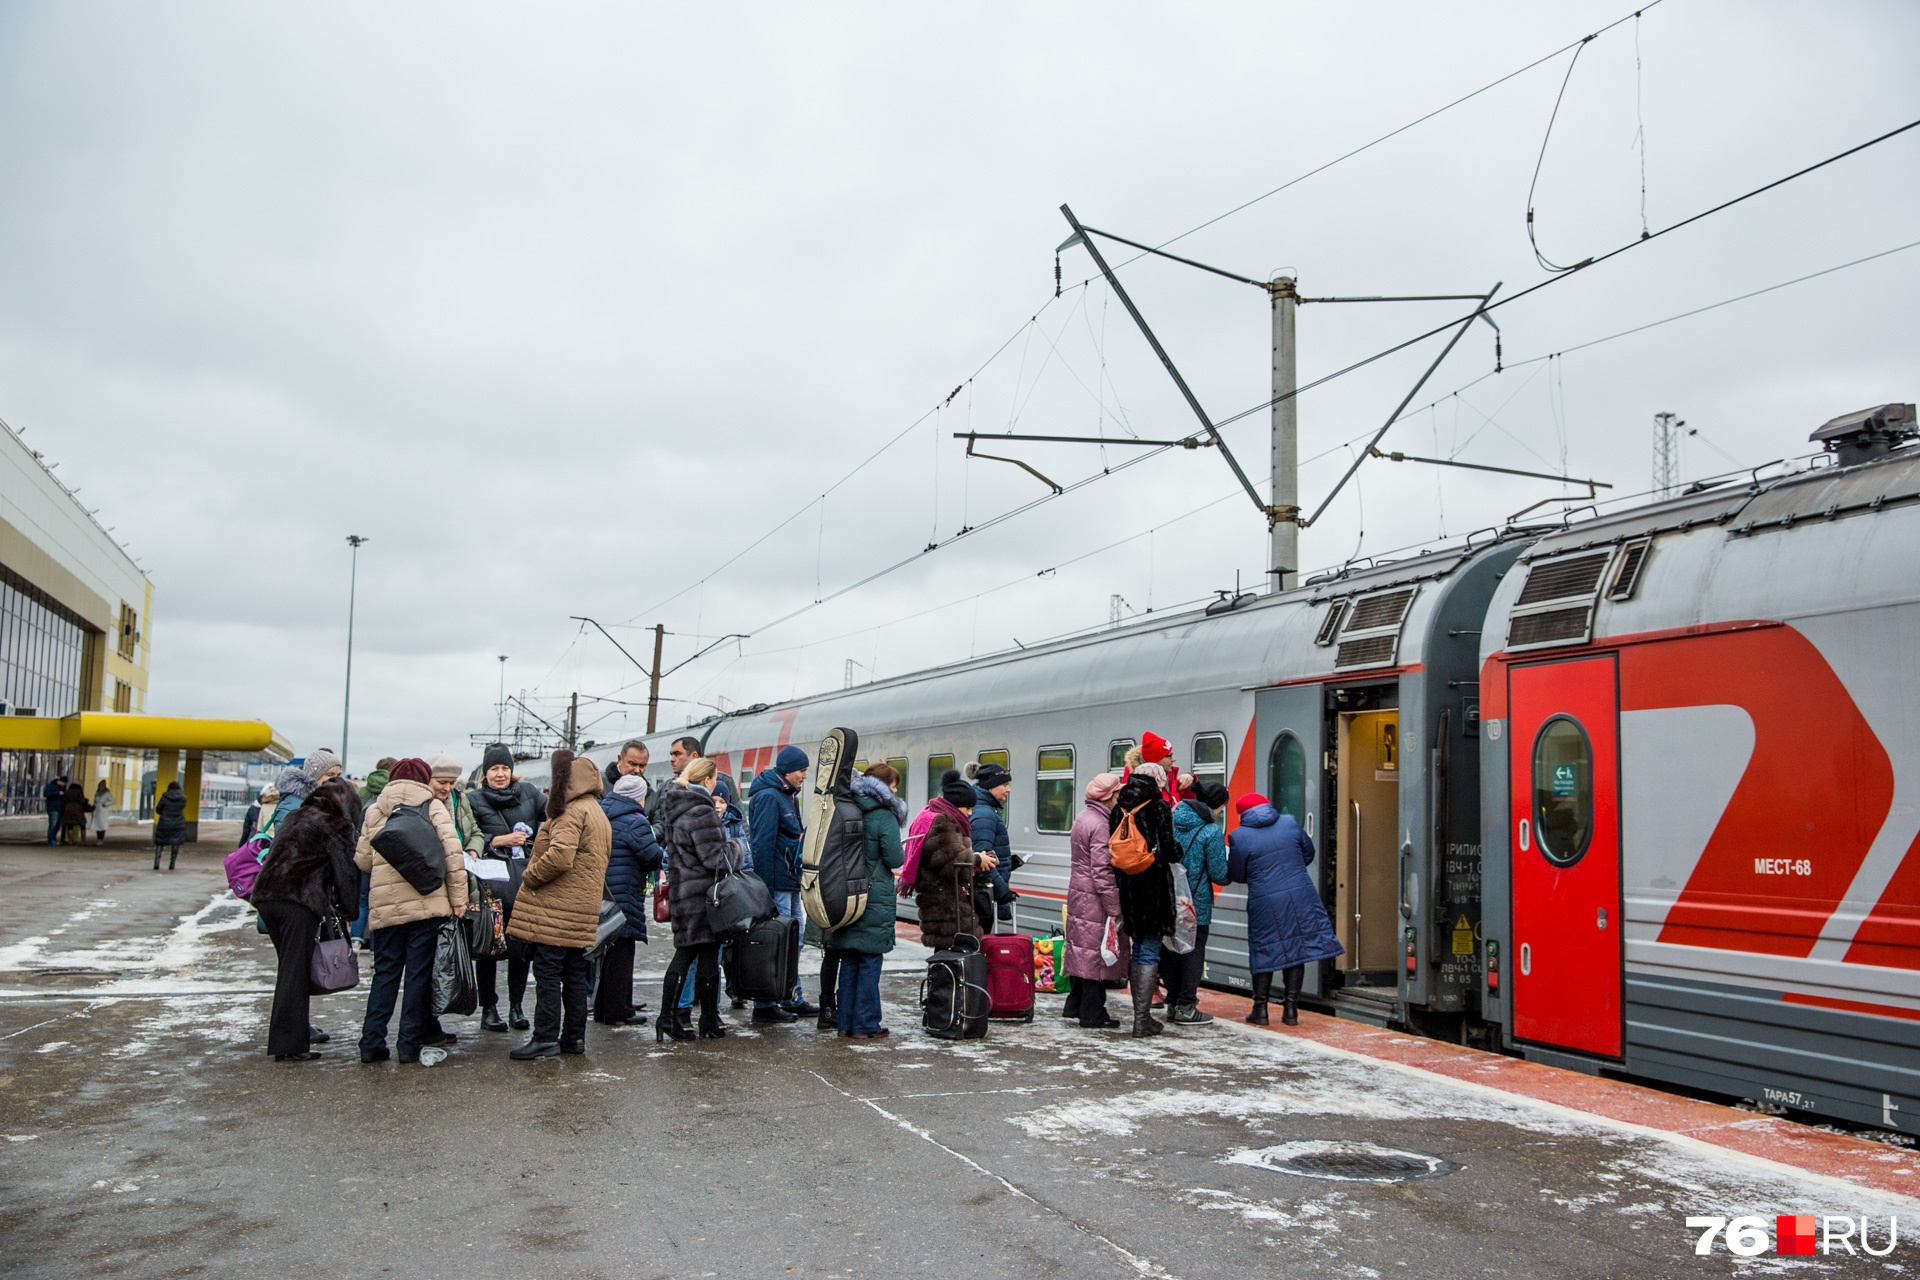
pixel 22 1137
pixel 1322 1216
pixel 54 1046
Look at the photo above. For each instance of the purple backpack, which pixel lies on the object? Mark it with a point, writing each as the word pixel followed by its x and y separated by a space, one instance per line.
pixel 243 867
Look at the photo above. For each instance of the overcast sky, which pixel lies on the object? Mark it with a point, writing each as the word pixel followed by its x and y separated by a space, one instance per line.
pixel 563 307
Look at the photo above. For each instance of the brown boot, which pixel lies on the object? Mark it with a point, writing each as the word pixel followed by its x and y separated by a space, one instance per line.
pixel 1143 977
pixel 1262 988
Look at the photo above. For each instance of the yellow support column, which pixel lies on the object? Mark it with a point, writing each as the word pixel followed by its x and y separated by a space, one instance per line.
pixel 166 768
pixel 191 784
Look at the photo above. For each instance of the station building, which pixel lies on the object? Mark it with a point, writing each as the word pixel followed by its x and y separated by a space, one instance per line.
pixel 75 648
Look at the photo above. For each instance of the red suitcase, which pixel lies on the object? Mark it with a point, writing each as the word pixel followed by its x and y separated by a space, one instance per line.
pixel 1009 974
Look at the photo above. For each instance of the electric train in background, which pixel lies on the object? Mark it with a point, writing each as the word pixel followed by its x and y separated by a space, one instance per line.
pixel 1636 794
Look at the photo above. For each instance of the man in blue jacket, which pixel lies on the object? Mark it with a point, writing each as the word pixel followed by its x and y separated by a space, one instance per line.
pixel 773 833
pixel 992 888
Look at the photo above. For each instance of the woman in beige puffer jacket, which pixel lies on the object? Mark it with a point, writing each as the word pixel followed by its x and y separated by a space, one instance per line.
pixel 403 923
pixel 558 908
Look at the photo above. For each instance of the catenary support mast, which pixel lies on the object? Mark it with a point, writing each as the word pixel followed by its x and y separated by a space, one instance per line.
pixel 1283 562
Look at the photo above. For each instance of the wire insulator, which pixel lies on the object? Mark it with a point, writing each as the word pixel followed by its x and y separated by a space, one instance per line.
pixel 1056 275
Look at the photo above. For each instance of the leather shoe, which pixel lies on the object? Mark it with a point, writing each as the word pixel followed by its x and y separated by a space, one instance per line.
pixel 774 1013
pixel 516 1019
pixel 371 1056
pixel 801 1009
pixel 490 1019
pixel 317 1036
pixel 308 1056
pixel 576 1044
pixel 536 1049
pixel 434 1042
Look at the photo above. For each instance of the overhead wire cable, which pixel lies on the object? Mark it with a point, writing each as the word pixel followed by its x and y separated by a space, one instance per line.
pixel 1546 263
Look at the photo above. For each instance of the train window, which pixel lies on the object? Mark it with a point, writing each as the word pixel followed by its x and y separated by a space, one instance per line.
pixel 899 765
pixel 1563 790
pixel 936 765
pixel 1117 753
pixel 1053 790
pixel 1002 758
pixel 1287 777
pixel 1210 757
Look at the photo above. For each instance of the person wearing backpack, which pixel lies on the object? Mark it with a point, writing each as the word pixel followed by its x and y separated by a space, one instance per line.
pixel 310 875
pixel 1143 828
pixel 1287 924
pixel 405 921
pixel 1203 852
pixel 862 944
pixel 502 803
pixel 559 906
pixel 1092 900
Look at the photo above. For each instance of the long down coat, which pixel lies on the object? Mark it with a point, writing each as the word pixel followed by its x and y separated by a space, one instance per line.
pixel 1287 923
pixel 1092 898
pixel 944 883
pixel 559 900
pixel 390 899
pixel 636 855
pixel 1146 899
pixel 696 857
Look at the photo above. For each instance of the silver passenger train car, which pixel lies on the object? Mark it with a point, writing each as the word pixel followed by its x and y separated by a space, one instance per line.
pixel 1640 794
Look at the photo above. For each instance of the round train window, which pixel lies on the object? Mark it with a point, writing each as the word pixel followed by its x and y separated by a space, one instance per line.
pixel 1562 790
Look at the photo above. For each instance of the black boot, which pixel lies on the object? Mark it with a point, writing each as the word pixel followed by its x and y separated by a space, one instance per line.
pixel 1143 978
pixel 1291 977
pixel 671 1024
pixel 536 1049
pixel 575 1043
pixel 490 1019
pixel 1262 988
pixel 829 1015
pixel 1093 1013
pixel 1075 994
pixel 515 1018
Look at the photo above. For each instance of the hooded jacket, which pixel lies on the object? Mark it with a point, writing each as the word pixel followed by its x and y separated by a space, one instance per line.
pixel 635 856
pixel 1287 922
pixel 1146 899
pixel 774 831
pixel 990 836
pixel 696 856
pixel 376 780
pixel 169 822
pixel 1203 851
pixel 872 933
pixel 1092 898
pixel 312 858
pixel 559 900
pixel 390 899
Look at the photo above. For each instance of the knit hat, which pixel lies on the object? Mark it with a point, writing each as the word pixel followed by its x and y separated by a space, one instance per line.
pixel 1248 802
pixel 790 759
pixel 295 782
pixel 956 790
pixel 1104 787
pixel 991 776
pixel 444 766
pixel 412 769
pixel 319 762
pixel 497 753
pixel 1153 772
pixel 1210 793
pixel 1153 747
pixel 633 786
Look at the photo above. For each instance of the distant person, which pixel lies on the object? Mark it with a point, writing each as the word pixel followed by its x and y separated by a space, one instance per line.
pixel 558 910
pixel 630 763
pixel 1287 924
pixel 509 811
pixel 696 855
pixel 862 944
pixel 262 810
pixel 250 820
pixel 55 795
pixel 169 824
pixel 1093 899
pixel 310 876
pixel 993 894
pixel 73 815
pixel 635 856
pixel 943 882
pixel 102 811
pixel 1146 897
pixel 774 832
pixel 322 765
pixel 1203 853
pixel 370 791
pixel 405 922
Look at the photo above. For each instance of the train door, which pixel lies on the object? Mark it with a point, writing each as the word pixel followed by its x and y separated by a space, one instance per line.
pixel 1564 828
pixel 1289 745
pixel 1367 894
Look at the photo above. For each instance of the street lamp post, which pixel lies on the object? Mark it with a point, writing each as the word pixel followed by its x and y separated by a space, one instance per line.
pixel 353 582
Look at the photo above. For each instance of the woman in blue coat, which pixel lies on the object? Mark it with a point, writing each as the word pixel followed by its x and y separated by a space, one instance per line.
pixel 635 856
pixel 1287 924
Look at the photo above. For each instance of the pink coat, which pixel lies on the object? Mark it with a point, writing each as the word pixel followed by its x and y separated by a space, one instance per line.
pixel 1092 897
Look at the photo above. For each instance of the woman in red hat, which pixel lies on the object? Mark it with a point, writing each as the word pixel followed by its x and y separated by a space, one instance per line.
pixel 1287 924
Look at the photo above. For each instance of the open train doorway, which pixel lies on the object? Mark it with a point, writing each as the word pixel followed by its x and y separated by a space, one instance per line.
pixel 1367 814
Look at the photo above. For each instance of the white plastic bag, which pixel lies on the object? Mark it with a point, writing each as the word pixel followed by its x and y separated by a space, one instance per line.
pixel 1186 921
pixel 1110 942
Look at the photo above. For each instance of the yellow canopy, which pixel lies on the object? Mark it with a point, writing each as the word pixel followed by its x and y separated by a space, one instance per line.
pixel 112 729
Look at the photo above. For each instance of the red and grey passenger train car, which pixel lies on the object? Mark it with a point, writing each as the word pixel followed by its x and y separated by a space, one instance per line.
pixel 1640 794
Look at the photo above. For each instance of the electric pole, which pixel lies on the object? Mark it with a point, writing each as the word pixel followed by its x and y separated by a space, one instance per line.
pixel 653 677
pixel 500 708
pixel 353 583
pixel 1666 453
pixel 1283 526
pixel 573 723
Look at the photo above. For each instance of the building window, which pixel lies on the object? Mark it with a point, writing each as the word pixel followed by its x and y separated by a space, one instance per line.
pixel 899 765
pixel 1117 753
pixel 129 630
pixel 1053 790
pixel 122 696
pixel 936 765
pixel 1210 757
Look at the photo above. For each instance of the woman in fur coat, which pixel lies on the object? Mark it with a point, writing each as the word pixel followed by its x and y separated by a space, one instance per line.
pixel 1146 898
pixel 943 882
pixel 309 875
pixel 696 857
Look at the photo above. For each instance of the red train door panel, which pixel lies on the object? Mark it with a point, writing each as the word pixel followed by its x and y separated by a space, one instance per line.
pixel 1564 828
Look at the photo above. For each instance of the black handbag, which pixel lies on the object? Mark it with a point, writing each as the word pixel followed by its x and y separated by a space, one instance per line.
pixel 613 921
pixel 411 845
pixel 738 900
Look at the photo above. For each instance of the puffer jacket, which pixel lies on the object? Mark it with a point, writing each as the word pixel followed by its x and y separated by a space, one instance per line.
pixel 696 857
pixel 774 831
pixel 1146 899
pixel 872 933
pixel 943 885
pixel 1203 851
pixel 495 812
pixel 169 821
pixel 312 858
pixel 559 900
pixel 1287 922
pixel 390 899
pixel 635 856
pixel 1092 898
pixel 990 836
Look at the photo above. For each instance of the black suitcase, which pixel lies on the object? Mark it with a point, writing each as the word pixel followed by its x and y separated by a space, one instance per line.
pixel 954 1001
pixel 763 960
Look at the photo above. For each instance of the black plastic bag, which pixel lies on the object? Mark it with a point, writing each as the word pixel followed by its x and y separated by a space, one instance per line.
pixel 455 990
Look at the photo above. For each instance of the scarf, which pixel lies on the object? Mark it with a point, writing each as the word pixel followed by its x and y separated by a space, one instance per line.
pixel 937 808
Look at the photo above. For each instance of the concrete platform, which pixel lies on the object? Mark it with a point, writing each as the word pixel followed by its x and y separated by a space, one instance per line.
pixel 144 1132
